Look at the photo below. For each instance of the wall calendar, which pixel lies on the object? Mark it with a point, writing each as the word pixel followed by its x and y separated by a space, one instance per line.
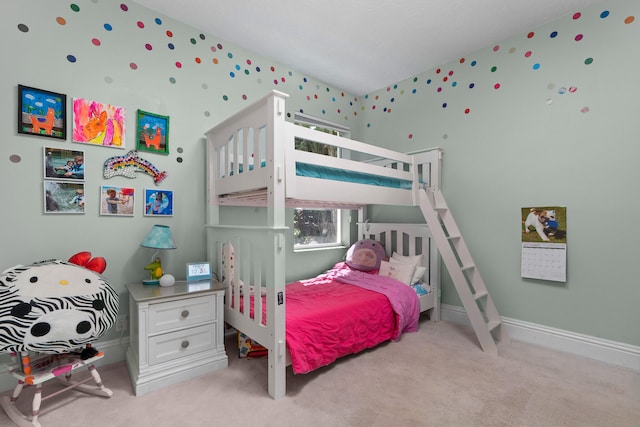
pixel 544 243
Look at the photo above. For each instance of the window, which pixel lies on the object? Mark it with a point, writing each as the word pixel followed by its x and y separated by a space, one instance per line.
pixel 321 227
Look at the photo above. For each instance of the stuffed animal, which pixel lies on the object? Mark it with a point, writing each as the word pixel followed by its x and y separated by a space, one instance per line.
pixel 366 255
pixel 55 306
pixel 155 269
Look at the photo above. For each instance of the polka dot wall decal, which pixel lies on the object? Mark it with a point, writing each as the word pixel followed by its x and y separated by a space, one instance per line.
pixel 71 58
pixel 462 60
pixel 445 136
pixel 629 19
pixel 215 61
pixel 577 15
pixel 604 14
pixel 438 70
pixel 205 86
pixel 237 67
pixel 172 80
pixel 60 20
pixel 496 86
pixel 530 35
pixel 473 63
pixel 169 33
pixel 124 7
pixel 553 34
pixel 108 79
pixel 578 37
pixel 527 54
pixel 75 7
pixel 445 78
pixel 493 69
pixel 178 64
pixel 140 24
pixel 95 42
pixel 585 109
pixel 512 50
pixel 410 136
pixel 171 46
pixel 232 74
pixel 158 21
pixel 148 46
pixel 536 66
pixel 454 84
pixel 496 48
pixel 108 27
pixel 588 61
pixel 573 89
pixel 225 97
pixel 219 46
pixel 246 72
pixel 14 158
pixel 193 41
pixel 472 85
pixel 201 36
pixel 207 114
pixel 428 81
pixel 275 82
pixel 467 110
pixel 23 28
pixel 549 101
pixel 444 105
pixel 198 60
pixel 133 66
pixel 413 91
pixel 244 97
pixel 229 55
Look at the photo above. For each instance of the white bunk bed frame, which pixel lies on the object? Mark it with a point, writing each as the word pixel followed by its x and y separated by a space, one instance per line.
pixel 251 161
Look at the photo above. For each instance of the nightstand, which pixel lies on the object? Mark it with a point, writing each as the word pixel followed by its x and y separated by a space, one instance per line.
pixel 177 333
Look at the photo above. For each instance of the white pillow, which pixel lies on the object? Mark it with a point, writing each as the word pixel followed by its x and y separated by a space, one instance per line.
pixel 416 260
pixel 401 271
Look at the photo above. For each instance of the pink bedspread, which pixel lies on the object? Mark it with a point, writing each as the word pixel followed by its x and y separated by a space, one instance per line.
pixel 344 312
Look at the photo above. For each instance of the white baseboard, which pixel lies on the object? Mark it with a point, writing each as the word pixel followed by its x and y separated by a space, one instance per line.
pixel 114 351
pixel 625 355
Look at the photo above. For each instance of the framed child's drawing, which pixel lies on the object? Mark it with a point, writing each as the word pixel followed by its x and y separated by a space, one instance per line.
pixel 63 164
pixel 158 202
pixel 117 201
pixel 96 123
pixel 42 113
pixel 152 132
pixel 63 197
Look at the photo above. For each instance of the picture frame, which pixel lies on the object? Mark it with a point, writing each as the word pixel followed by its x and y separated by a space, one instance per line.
pixel 63 197
pixel 97 123
pixel 197 271
pixel 152 132
pixel 63 164
pixel 158 202
pixel 42 112
pixel 117 201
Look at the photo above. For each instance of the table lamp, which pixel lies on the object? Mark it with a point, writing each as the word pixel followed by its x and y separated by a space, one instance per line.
pixel 158 238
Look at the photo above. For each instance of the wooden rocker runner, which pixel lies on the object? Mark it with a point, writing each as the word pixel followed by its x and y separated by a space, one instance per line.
pixel 45 368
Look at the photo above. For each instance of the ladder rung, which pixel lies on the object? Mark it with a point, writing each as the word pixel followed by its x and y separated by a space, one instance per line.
pixel 493 324
pixel 441 208
pixel 454 237
pixel 467 267
pixel 480 294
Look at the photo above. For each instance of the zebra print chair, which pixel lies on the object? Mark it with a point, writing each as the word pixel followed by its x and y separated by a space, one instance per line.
pixel 55 309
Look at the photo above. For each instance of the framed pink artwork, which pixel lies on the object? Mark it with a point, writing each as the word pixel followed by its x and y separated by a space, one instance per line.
pixel 96 123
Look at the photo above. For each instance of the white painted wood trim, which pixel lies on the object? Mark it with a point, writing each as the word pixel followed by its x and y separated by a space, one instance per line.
pixel 612 352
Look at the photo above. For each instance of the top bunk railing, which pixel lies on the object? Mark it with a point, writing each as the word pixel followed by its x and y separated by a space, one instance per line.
pixel 241 152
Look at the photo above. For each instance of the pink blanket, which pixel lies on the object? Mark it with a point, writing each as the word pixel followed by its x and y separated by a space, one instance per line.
pixel 345 312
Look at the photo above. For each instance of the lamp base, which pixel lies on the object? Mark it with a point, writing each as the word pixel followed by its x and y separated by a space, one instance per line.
pixel 151 282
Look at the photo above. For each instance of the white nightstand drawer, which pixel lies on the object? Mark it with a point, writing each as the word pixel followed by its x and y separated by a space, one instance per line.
pixel 173 345
pixel 182 313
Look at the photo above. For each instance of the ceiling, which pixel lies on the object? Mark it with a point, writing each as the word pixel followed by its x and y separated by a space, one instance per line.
pixel 360 46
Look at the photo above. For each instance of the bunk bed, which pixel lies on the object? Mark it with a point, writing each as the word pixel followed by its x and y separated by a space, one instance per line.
pixel 252 160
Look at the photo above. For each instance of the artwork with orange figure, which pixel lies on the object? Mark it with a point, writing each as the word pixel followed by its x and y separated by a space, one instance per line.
pixel 97 123
pixel 45 123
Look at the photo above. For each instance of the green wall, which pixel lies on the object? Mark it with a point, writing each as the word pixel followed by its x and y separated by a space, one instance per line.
pixel 562 133
pixel 526 143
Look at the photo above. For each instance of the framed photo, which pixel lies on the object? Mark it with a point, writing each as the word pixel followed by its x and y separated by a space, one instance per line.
pixel 198 271
pixel 152 132
pixel 158 202
pixel 63 197
pixel 96 123
pixel 42 113
pixel 117 201
pixel 63 164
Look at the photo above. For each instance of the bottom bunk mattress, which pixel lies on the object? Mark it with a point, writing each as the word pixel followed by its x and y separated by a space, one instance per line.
pixel 344 312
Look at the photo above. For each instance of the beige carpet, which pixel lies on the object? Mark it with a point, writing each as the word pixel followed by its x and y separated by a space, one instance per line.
pixel 436 377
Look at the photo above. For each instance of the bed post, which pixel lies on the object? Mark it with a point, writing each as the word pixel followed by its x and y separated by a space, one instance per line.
pixel 276 310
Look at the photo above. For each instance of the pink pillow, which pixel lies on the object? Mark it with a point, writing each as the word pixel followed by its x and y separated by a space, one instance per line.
pixel 366 255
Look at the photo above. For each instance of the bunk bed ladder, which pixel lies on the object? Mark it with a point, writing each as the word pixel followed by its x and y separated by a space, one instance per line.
pixel 475 297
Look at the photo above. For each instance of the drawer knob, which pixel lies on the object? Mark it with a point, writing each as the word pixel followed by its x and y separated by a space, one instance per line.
pixel 185 344
pixel 185 313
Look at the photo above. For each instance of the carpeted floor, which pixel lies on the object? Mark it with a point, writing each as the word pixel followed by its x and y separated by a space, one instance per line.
pixel 436 377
